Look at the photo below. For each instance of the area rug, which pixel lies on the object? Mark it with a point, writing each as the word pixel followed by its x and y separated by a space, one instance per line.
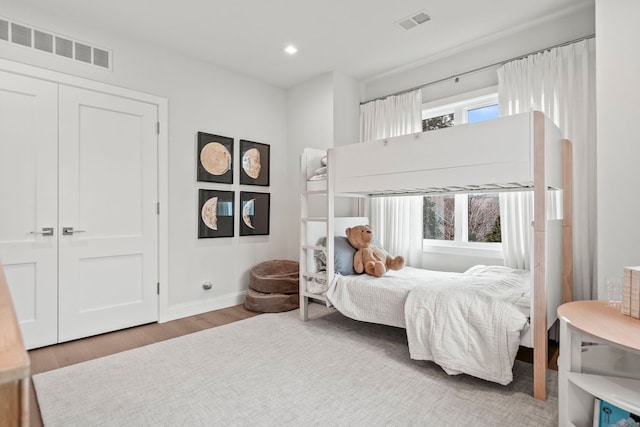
pixel 274 370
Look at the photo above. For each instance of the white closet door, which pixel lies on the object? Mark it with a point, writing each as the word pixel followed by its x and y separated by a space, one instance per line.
pixel 29 202
pixel 108 195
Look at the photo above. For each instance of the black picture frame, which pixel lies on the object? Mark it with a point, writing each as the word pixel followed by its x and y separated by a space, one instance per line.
pixel 215 158
pixel 254 213
pixel 215 213
pixel 254 163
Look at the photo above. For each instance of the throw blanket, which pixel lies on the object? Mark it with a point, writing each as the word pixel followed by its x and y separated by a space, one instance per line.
pixel 471 325
pixel 381 299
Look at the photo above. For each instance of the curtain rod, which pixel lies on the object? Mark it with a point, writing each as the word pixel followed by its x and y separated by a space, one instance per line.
pixel 486 67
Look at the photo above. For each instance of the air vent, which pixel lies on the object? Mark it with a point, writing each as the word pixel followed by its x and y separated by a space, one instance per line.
pixel 21 35
pixel 55 44
pixel 4 30
pixel 101 57
pixel 413 20
pixel 43 41
pixel 421 18
pixel 407 24
pixel 83 52
pixel 64 47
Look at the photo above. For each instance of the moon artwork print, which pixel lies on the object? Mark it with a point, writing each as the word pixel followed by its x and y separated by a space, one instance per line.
pixel 247 213
pixel 254 211
pixel 209 213
pixel 251 163
pixel 254 158
pixel 215 214
pixel 215 158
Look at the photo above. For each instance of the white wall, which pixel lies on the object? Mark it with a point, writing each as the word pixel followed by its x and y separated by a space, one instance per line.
pixel 618 150
pixel 346 109
pixel 322 113
pixel 346 128
pixel 309 124
pixel 201 98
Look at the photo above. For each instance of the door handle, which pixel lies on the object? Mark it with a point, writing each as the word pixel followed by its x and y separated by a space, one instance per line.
pixel 46 231
pixel 69 231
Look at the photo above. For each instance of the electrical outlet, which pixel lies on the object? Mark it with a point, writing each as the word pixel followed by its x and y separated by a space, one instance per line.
pixel 207 285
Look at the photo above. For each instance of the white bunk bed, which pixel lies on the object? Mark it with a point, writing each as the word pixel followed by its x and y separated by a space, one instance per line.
pixel 513 153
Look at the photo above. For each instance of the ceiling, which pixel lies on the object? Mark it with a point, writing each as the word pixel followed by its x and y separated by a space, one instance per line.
pixel 356 37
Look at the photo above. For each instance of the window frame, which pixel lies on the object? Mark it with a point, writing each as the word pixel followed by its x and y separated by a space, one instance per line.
pixel 460 105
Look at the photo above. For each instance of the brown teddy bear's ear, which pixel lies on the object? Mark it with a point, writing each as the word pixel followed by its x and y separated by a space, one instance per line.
pixel 347 231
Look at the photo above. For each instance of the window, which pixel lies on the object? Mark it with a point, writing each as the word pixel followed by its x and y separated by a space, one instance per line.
pixel 483 218
pixel 438 122
pixel 438 214
pixel 482 113
pixel 461 219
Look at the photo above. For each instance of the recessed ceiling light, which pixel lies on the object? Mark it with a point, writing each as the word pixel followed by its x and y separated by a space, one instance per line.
pixel 291 49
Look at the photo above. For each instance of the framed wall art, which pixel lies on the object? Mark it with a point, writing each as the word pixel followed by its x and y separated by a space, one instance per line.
pixel 254 158
pixel 215 158
pixel 215 213
pixel 254 213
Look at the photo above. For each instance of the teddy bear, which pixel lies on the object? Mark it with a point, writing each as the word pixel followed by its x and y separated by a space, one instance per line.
pixel 369 258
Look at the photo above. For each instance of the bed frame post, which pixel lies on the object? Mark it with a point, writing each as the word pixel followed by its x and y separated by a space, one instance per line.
pixel 331 182
pixel 539 247
pixel 302 256
pixel 567 221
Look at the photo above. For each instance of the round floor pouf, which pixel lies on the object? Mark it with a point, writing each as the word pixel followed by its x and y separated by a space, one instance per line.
pixel 276 276
pixel 273 287
pixel 270 303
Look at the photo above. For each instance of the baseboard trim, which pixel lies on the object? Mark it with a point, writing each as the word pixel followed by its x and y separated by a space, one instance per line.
pixel 179 311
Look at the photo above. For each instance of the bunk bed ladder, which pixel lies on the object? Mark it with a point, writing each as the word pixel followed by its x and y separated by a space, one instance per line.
pixel 307 276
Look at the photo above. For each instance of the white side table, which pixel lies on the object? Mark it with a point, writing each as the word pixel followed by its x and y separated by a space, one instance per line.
pixel 584 376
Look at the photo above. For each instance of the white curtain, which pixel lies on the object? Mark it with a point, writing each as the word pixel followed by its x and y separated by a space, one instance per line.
pixel 393 116
pixel 396 221
pixel 516 216
pixel 516 224
pixel 561 83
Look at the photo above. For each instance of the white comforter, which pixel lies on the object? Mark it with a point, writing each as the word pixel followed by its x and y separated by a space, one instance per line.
pixel 465 322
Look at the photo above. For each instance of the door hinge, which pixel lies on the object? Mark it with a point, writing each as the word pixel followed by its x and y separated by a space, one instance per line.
pixel 158 128
pixel 158 208
pixel 158 288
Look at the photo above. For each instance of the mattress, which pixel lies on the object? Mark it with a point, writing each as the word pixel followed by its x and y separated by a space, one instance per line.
pixel 382 300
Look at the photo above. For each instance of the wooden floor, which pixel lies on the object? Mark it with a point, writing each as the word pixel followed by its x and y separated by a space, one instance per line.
pixel 65 354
